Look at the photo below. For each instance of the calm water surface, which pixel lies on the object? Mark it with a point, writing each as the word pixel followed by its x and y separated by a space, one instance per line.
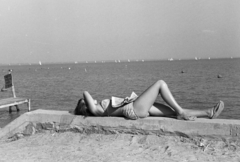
pixel 55 86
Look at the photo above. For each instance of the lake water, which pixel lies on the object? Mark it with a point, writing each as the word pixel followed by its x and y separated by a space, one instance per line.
pixel 59 86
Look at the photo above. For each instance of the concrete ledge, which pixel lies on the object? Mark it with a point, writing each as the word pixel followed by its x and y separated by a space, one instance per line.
pixel 63 120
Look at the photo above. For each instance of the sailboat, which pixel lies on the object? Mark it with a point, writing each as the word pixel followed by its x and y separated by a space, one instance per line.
pixel 40 63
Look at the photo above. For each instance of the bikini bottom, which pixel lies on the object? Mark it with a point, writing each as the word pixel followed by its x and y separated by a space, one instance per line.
pixel 128 111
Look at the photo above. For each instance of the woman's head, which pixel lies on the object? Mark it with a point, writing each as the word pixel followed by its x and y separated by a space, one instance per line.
pixel 81 108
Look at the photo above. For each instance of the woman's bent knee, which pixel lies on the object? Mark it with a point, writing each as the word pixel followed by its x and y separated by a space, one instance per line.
pixel 161 83
pixel 141 114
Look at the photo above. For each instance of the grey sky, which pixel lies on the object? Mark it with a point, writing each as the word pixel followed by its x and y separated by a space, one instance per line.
pixel 85 30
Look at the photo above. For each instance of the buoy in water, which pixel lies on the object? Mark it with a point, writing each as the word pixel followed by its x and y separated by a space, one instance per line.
pixel 219 76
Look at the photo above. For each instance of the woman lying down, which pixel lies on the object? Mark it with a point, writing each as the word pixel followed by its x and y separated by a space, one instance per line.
pixel 142 106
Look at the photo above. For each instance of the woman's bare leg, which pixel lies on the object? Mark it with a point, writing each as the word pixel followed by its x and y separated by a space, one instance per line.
pixel 144 104
pixel 159 109
pixel 145 101
pixel 164 110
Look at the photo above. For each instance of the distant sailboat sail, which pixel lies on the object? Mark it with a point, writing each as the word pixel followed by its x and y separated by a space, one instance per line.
pixel 40 63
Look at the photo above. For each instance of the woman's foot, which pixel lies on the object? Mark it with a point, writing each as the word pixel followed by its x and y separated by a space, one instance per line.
pixel 185 117
pixel 216 110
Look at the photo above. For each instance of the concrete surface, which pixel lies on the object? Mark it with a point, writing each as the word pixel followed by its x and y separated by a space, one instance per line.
pixel 149 125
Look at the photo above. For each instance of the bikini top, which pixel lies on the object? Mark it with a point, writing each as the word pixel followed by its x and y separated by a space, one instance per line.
pixel 118 102
pixel 105 103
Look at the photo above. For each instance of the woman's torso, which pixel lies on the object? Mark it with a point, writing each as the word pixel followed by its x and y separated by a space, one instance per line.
pixel 109 110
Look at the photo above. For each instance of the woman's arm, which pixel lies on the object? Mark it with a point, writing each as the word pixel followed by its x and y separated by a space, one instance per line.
pixel 94 109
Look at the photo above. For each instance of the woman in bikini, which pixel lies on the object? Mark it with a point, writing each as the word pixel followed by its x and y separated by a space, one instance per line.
pixel 144 105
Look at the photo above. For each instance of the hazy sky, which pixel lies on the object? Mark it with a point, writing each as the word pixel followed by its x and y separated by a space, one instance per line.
pixel 84 30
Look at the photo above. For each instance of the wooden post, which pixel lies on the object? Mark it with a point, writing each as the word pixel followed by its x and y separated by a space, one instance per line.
pixel 29 104
pixel 13 91
pixel 10 109
pixel 17 108
pixel 13 88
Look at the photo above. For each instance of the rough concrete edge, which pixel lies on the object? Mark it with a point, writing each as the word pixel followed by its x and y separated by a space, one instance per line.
pixel 54 127
pixel 65 121
pixel 20 124
pixel 15 126
pixel 159 127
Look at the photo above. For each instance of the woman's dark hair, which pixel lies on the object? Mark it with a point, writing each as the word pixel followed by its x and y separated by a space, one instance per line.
pixel 79 110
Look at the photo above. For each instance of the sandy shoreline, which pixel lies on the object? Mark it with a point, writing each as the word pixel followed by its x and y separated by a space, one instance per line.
pixel 70 146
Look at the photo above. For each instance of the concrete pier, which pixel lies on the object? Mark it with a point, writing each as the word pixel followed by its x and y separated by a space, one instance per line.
pixel 63 120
